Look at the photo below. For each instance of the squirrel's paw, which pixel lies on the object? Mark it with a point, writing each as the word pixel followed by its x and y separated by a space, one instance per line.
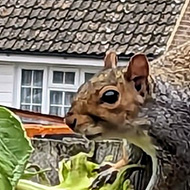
pixel 107 174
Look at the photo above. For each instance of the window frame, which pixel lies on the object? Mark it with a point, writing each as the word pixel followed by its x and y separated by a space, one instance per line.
pixel 63 86
pixel 83 71
pixel 47 84
pixel 63 97
pixel 18 85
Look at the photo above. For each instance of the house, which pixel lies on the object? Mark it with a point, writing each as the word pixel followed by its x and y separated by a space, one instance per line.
pixel 49 48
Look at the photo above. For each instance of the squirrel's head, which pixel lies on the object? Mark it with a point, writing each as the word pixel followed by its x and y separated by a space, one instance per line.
pixel 110 101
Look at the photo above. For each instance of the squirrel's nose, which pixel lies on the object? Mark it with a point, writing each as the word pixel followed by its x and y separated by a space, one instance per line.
pixel 70 120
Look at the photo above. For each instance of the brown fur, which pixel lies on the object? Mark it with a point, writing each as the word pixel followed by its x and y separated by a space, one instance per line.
pixel 94 117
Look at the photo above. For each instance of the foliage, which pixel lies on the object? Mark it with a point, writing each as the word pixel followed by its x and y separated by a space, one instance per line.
pixel 15 149
pixel 77 173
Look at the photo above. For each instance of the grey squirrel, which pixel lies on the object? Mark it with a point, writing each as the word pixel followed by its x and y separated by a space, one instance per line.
pixel 144 105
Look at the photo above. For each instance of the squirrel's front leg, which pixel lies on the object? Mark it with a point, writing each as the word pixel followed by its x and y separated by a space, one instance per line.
pixel 108 172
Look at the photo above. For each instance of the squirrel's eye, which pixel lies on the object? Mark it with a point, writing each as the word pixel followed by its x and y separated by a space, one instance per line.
pixel 110 97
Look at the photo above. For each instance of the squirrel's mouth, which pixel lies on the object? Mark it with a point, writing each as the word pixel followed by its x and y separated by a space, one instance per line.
pixel 94 136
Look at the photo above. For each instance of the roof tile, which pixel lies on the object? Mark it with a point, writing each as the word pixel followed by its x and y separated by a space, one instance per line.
pixel 18 3
pixel 112 6
pixel 47 4
pixel 62 14
pixel 85 37
pixel 3 21
pixel 14 34
pixel 5 33
pixel 27 23
pixel 18 45
pixel 24 34
pixel 85 4
pixel 27 45
pixel 60 36
pixel 36 46
pixel 11 22
pixel 64 46
pixel 103 6
pixel 46 45
pixel 53 14
pixel 9 43
pixel 159 7
pixel 126 39
pixel 6 11
pixel 25 13
pixel 94 6
pixel 43 13
pixel 121 48
pixel 42 35
pixel 76 4
pixel 16 12
pixel 33 34
pixel 69 36
pixel 27 3
pixel 89 15
pixel 1 29
pixel 38 24
pixel 55 46
pixel 75 26
pixel 60 4
pixel 66 25
pixel 3 2
pixel 99 16
pixel 34 13
pixel 91 27
pixel 2 42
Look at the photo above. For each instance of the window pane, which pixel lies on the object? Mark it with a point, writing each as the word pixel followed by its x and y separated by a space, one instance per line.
pixel 37 96
pixel 55 110
pixel 66 109
pixel 25 107
pixel 38 78
pixel 88 76
pixel 56 97
pixel 25 95
pixel 58 77
pixel 26 77
pixel 36 108
pixel 69 78
pixel 68 97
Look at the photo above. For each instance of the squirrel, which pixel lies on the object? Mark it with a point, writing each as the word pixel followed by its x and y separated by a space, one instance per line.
pixel 146 103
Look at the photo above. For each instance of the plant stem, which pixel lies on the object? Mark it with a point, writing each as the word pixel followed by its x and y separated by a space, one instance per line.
pixel 30 185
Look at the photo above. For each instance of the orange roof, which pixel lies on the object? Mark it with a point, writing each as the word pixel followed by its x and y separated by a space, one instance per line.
pixel 38 129
pixel 41 124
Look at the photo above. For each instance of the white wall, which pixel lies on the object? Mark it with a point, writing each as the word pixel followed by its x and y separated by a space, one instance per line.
pixel 10 73
pixel 6 84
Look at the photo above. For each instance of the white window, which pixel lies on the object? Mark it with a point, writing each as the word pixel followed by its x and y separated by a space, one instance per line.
pixel 60 102
pixel 63 84
pixel 31 90
pixel 60 77
pixel 87 74
pixel 50 90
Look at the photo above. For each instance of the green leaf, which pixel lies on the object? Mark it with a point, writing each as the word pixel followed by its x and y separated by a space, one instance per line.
pixel 33 170
pixel 15 149
pixel 76 174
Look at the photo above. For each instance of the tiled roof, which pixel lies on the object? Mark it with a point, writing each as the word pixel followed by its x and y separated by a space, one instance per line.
pixel 86 26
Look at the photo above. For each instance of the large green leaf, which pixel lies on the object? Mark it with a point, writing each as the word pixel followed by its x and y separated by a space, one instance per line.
pixel 77 173
pixel 15 149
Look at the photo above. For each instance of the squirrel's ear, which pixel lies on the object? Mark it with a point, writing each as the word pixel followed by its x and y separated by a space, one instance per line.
pixel 138 67
pixel 110 60
pixel 138 72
